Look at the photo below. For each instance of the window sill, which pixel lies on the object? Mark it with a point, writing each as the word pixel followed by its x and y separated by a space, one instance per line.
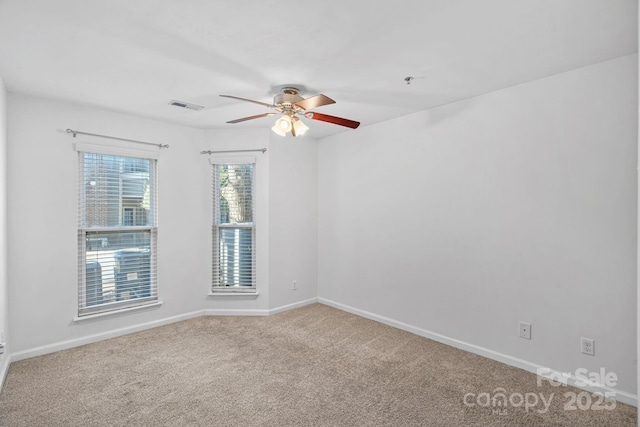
pixel 233 294
pixel 115 312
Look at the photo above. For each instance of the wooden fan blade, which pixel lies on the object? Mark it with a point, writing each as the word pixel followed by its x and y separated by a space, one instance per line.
pixel 332 119
pixel 314 101
pixel 248 100
pixel 259 116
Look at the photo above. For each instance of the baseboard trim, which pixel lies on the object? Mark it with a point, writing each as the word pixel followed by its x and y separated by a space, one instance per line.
pixel 63 345
pixel 620 396
pixel 5 361
pixel 235 312
pixel 257 312
pixel 288 307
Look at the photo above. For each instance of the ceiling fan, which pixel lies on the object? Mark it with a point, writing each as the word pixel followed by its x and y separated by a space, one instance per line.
pixel 290 104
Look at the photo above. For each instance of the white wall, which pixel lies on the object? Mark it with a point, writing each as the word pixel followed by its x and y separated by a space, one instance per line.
pixel 638 253
pixel 42 215
pixel 4 284
pixel 292 219
pixel 242 139
pixel 285 218
pixel 519 205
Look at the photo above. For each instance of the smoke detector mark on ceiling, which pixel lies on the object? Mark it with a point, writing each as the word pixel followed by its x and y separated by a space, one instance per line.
pixel 186 105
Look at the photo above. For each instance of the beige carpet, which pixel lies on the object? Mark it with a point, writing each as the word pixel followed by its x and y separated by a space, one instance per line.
pixel 313 366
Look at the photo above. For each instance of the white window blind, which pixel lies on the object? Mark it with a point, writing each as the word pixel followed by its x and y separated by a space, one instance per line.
pixel 117 232
pixel 234 232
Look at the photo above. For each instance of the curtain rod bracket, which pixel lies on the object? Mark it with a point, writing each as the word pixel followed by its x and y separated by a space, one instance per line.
pixel 75 132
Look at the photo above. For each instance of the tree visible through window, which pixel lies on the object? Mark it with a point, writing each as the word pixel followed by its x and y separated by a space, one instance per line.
pixel 233 227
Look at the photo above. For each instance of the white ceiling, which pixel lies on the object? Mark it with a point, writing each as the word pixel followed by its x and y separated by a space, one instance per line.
pixel 134 56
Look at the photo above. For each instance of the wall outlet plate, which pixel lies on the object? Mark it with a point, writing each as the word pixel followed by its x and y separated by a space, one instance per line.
pixel 525 330
pixel 587 346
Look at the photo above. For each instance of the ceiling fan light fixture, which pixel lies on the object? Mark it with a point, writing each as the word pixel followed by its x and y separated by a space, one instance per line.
pixel 299 127
pixel 290 104
pixel 277 130
pixel 284 123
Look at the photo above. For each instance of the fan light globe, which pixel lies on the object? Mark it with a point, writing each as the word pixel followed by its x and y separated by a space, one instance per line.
pixel 284 123
pixel 299 127
pixel 277 130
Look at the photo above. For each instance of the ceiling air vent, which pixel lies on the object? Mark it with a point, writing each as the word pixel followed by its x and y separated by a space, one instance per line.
pixel 183 104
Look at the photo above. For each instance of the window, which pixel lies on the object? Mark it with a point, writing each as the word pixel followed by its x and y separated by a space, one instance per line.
pixel 117 232
pixel 234 232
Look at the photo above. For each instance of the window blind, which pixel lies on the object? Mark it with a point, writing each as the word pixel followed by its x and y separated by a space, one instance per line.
pixel 233 228
pixel 117 232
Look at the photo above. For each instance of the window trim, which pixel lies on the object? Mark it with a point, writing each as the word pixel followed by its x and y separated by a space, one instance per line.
pixel 100 310
pixel 214 290
pixel 94 316
pixel 108 150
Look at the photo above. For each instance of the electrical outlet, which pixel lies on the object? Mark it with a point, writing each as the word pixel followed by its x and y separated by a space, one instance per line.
pixel 525 330
pixel 294 285
pixel 587 346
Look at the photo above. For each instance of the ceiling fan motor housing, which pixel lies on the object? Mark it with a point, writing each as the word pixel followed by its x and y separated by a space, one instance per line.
pixel 288 97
